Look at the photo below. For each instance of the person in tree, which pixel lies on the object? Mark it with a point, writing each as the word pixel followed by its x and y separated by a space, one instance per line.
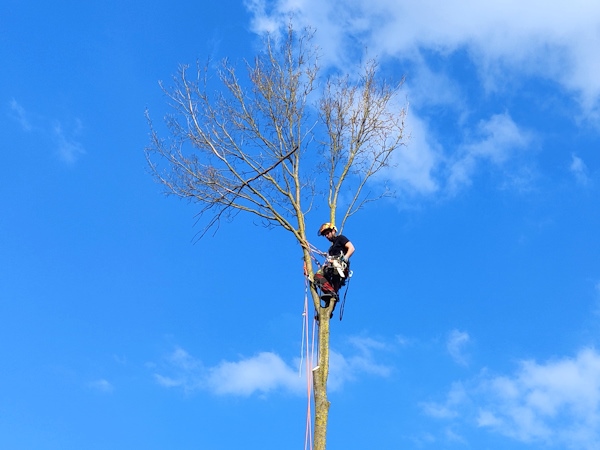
pixel 332 275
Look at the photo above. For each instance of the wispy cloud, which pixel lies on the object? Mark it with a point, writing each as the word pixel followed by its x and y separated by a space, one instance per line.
pixel 362 360
pixel 558 41
pixel 69 148
pixel 502 42
pixel 556 402
pixel 20 115
pixel 266 372
pixel 184 371
pixel 456 343
pixel 450 408
pixel 424 167
pixel 496 141
pixel 65 139
pixel 101 385
pixel 579 170
pixel 413 167
pixel 596 309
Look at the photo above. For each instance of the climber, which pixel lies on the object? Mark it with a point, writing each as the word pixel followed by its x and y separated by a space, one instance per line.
pixel 332 275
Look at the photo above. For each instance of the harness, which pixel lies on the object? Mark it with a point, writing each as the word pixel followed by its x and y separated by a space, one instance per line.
pixel 338 267
pixel 334 267
pixel 338 270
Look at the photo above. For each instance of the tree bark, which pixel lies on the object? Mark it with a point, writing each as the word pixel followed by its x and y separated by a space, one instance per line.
pixel 320 375
pixel 320 372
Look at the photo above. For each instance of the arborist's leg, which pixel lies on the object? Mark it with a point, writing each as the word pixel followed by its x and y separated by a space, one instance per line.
pixel 337 284
pixel 323 283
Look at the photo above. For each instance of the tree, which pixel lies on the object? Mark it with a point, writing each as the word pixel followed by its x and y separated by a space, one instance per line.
pixel 274 142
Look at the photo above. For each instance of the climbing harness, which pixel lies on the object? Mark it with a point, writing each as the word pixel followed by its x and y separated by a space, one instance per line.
pixel 337 268
pixel 339 265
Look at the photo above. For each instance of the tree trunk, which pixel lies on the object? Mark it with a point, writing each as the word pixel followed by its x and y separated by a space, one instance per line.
pixel 320 376
pixel 320 372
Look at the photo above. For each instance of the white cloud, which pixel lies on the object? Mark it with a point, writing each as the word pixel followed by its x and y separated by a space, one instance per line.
pixel 501 39
pixel 187 372
pixel 434 87
pixel 262 373
pixel 346 368
pixel 326 17
pixel 101 385
pixel 457 340
pixel 579 170
pixel 449 409
pixel 555 40
pixel 266 371
pixel 556 402
pixel 69 149
pixel 20 115
pixel 170 382
pixel 413 166
pixel 500 135
pixel 423 167
pixel 496 141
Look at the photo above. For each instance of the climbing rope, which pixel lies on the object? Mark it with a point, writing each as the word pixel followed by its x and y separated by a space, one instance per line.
pixel 307 353
pixel 343 302
pixel 312 250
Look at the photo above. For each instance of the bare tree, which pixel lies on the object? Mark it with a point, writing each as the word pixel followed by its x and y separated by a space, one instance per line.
pixel 275 141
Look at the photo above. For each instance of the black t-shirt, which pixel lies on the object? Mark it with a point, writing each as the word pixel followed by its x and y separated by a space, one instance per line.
pixel 338 245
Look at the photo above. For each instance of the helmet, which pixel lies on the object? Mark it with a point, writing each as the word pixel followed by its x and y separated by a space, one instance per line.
pixel 326 226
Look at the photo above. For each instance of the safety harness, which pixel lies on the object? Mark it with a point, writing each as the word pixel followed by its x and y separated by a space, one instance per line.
pixel 337 269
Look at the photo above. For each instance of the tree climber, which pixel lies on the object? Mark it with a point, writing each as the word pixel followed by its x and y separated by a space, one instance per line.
pixel 332 275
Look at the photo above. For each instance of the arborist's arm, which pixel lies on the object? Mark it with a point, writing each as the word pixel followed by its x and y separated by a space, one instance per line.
pixel 349 250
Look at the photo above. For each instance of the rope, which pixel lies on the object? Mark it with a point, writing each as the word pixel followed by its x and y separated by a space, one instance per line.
pixel 343 302
pixel 312 350
pixel 312 250
pixel 308 444
pixel 302 343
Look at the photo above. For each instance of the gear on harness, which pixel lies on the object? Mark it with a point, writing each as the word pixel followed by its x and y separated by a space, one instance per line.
pixel 335 273
pixel 337 270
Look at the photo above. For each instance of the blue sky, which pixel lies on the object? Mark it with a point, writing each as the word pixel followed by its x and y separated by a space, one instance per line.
pixel 472 319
